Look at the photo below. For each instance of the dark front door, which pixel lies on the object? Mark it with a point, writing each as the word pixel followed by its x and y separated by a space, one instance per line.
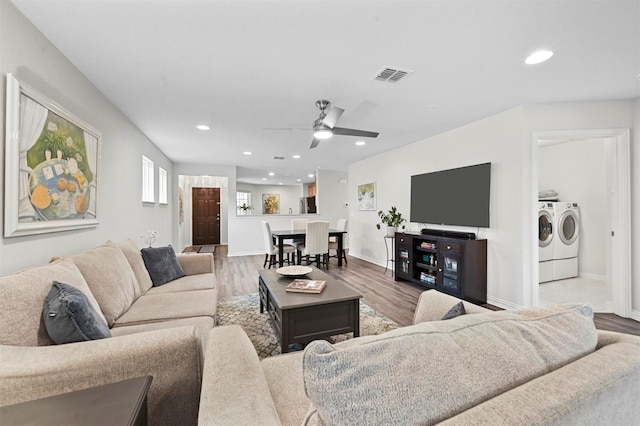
pixel 206 216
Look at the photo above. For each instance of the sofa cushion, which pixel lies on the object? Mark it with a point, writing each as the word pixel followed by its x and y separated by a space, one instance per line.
pixel 22 295
pixel 161 307
pixel 186 283
pixel 69 316
pixel 455 311
pixel 110 279
pixel 134 257
pixel 162 264
pixel 439 369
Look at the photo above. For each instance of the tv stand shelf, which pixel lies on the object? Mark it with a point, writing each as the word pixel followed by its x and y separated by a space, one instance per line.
pixel 449 263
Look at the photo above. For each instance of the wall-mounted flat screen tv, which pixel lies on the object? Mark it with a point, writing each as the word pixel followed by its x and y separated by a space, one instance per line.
pixel 452 197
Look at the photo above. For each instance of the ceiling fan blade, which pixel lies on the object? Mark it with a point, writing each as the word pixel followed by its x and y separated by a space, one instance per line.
pixel 332 116
pixel 314 143
pixel 353 132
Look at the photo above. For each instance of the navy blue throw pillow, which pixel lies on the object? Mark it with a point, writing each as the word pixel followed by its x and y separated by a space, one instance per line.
pixel 457 310
pixel 70 317
pixel 162 264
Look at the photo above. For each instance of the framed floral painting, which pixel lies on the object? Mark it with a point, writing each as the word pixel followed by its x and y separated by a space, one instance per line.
pixel 270 203
pixel 51 166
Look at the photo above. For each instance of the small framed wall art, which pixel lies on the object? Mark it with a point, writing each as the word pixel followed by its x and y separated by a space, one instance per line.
pixel 367 196
pixel 270 203
pixel 51 165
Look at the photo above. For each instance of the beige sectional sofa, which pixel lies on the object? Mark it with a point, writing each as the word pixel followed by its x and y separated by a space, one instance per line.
pixel 542 366
pixel 157 331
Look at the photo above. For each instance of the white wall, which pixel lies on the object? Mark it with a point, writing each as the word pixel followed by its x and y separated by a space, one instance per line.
pixel 576 171
pixel 289 196
pixel 333 195
pixel 504 140
pixel 35 61
pixel 494 140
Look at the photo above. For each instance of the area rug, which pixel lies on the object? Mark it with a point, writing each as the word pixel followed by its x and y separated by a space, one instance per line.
pixel 245 311
pixel 207 249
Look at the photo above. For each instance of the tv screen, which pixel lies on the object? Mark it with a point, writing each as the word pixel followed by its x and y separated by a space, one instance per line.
pixel 452 197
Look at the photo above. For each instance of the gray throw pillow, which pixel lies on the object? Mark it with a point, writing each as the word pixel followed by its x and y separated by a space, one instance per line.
pixel 162 264
pixel 455 311
pixel 70 317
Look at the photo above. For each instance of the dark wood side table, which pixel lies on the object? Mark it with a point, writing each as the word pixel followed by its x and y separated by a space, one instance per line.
pixel 122 403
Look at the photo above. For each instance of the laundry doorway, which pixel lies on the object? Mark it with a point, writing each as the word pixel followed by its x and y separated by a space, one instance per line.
pixel 614 174
pixel 574 221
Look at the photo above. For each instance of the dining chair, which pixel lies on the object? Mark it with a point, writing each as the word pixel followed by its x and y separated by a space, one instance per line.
pixel 298 225
pixel 271 249
pixel 316 243
pixel 333 242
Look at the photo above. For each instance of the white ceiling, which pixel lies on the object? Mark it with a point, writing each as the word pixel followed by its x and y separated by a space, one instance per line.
pixel 243 66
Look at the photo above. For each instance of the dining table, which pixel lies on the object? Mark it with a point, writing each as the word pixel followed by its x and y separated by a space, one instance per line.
pixel 300 235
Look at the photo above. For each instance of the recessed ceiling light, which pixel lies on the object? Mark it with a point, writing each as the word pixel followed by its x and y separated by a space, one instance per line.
pixel 247 153
pixel 360 143
pixel 298 180
pixel 202 127
pixel 271 174
pixel 310 174
pixel 538 57
pixel 279 183
pixel 295 156
pixel 264 178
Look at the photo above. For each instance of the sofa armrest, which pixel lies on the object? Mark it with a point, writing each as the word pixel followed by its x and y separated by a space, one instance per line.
pixel 432 305
pixel 172 356
pixel 196 263
pixel 234 387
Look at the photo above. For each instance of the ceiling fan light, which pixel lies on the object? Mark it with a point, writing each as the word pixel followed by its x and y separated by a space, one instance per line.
pixel 322 134
pixel 321 131
pixel 538 57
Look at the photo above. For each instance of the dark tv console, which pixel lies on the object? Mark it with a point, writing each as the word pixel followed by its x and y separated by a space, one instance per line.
pixel 453 264
pixel 452 234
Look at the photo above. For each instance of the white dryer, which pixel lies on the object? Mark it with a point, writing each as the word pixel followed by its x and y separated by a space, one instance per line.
pixel 566 241
pixel 546 247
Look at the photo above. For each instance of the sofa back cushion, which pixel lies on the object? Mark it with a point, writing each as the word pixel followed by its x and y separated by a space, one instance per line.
pixel 428 372
pixel 22 298
pixel 110 279
pixel 134 257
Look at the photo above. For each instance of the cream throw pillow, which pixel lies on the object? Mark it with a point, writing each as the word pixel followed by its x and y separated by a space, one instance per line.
pixel 431 371
pixel 110 279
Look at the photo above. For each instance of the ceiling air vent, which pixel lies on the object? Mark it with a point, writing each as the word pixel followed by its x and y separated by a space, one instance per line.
pixel 276 157
pixel 392 75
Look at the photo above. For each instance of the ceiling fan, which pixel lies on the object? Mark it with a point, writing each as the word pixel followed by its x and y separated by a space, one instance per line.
pixel 324 126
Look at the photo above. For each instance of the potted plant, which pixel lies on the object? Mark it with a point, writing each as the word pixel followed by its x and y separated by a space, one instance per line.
pixel 393 219
pixel 244 208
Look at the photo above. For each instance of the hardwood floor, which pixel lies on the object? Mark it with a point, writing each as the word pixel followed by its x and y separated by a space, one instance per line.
pixel 396 300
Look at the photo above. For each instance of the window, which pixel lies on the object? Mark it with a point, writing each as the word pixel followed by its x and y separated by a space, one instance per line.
pixel 147 181
pixel 162 186
pixel 243 202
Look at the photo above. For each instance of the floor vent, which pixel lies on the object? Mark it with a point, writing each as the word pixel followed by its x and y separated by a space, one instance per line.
pixel 276 157
pixel 392 75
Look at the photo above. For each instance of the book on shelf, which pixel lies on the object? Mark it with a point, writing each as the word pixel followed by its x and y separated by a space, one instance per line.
pixel 306 286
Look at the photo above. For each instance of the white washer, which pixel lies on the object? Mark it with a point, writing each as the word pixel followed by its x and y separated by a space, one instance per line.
pixel 567 240
pixel 546 226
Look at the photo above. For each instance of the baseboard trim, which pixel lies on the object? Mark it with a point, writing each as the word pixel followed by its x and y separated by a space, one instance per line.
pixel 369 259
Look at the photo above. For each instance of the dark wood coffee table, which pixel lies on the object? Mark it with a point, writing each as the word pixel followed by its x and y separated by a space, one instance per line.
pixel 303 317
pixel 122 403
